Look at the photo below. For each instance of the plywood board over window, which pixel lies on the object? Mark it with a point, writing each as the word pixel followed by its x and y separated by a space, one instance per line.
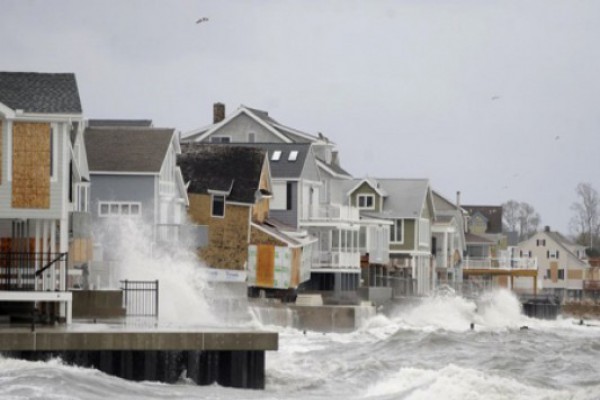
pixel 1 152
pixel 31 165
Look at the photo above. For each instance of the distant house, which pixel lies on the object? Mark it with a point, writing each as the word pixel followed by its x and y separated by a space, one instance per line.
pixel 408 205
pixel 230 189
pixel 562 264
pixel 44 185
pixel 134 176
pixel 486 238
pixel 449 241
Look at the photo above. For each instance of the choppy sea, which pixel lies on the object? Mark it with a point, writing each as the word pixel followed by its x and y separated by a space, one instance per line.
pixel 426 351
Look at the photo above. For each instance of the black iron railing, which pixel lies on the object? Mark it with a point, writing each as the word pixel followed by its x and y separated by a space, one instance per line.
pixel 26 270
pixel 140 298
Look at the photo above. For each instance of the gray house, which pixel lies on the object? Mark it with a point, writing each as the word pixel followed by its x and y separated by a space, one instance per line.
pixel 43 188
pixel 134 176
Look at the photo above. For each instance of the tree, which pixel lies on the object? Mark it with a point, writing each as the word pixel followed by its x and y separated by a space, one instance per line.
pixel 520 217
pixel 586 219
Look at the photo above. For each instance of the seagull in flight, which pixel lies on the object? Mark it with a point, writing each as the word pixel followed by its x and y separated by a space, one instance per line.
pixel 201 20
pixel 495 97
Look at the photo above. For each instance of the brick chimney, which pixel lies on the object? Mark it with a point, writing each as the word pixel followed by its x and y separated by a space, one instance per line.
pixel 547 228
pixel 218 112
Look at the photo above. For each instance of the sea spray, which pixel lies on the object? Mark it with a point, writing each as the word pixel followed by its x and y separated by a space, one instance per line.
pixel 497 309
pixel 183 287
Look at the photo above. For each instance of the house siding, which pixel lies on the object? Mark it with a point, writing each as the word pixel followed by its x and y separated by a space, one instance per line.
pixel 126 188
pixel 259 237
pixel 260 211
pixel 238 129
pixel 57 189
pixel 227 237
pixel 288 217
pixel 1 150
pixel 409 237
pixel 365 188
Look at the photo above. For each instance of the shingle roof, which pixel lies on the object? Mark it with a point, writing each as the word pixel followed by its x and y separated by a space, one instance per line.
pixel 122 149
pixel 335 168
pixel 96 123
pixel 284 167
pixel 493 215
pixel 40 92
pixel 220 167
pixel 405 197
pixel 471 238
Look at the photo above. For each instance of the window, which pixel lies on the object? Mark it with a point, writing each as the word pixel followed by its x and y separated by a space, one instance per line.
pixel 220 139
pixel 293 155
pixel 251 137
pixel 115 208
pixel 288 192
pixel 218 206
pixel 396 231
pixel 424 232
pixel 548 272
pixel 276 155
pixel 366 201
pixel 561 274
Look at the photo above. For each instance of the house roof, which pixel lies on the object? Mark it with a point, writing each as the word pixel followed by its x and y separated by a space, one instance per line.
pixel 492 213
pixel 95 123
pixel 127 149
pixel 222 167
pixel 284 132
pixel 405 197
pixel 335 169
pixel 35 92
pixel 471 238
pixel 284 167
pixel 442 204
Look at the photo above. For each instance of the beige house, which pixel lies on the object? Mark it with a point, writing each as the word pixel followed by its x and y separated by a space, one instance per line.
pixel 562 265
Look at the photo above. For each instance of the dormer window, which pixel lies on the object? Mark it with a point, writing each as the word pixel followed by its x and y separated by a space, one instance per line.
pixel 276 155
pixel 366 201
pixel 293 155
pixel 218 206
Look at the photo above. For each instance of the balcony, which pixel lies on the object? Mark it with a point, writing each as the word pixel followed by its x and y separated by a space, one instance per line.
pixel 331 213
pixel 591 285
pixel 335 260
pixel 500 263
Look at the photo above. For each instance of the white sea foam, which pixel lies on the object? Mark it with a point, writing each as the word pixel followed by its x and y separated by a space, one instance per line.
pixel 454 382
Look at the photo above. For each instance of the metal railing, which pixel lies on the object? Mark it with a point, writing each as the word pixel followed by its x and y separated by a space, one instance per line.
pixel 140 298
pixel 500 263
pixel 32 271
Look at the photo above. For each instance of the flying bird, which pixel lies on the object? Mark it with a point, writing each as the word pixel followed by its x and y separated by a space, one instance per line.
pixel 201 20
pixel 495 97
pixel 557 137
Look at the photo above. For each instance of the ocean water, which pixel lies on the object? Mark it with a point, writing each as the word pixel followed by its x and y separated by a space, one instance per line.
pixel 425 351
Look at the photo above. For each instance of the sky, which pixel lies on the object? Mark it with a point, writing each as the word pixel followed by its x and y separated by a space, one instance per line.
pixel 496 99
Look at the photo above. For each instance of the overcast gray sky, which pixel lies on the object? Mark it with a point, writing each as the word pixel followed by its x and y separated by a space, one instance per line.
pixel 498 99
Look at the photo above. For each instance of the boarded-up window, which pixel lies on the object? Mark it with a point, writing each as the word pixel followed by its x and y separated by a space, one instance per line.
pixel 31 165
pixel 1 153
pixel 265 265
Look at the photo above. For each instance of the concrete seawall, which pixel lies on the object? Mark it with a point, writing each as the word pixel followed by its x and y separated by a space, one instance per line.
pixel 235 359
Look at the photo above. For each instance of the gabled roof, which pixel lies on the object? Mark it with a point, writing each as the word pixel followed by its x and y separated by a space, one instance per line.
pixel 405 197
pixel 492 213
pixel 96 123
pixel 443 205
pixel 35 92
pixel 216 167
pixel 372 183
pixel 471 238
pixel 285 133
pixel 333 169
pixel 284 167
pixel 120 149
